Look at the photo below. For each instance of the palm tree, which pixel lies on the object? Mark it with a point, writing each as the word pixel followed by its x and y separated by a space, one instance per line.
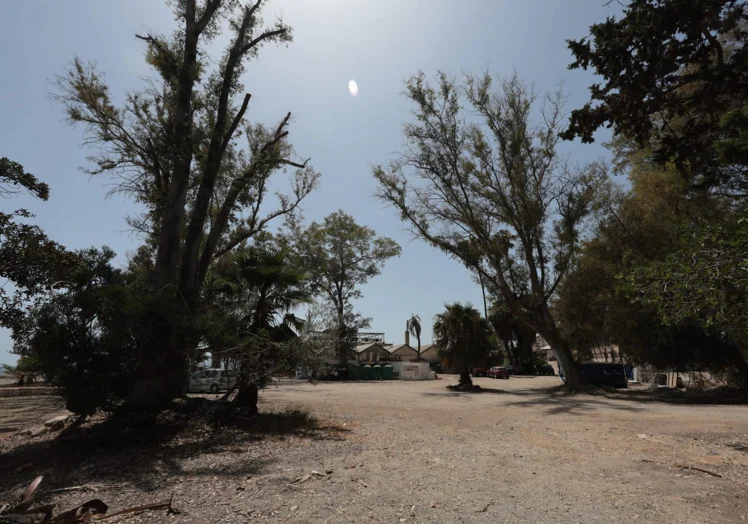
pixel 414 326
pixel 463 336
pixel 263 290
pixel 270 290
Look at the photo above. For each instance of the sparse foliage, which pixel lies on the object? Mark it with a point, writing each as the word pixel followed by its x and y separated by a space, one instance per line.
pixel 495 194
pixel 174 146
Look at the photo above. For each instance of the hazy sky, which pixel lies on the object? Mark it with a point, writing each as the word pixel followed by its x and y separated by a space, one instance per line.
pixel 379 43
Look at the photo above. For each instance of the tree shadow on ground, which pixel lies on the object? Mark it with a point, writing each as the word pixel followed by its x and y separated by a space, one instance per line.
pixel 556 399
pixel 141 449
pixel 496 391
pixel 716 396
pixel 17 413
pixel 568 404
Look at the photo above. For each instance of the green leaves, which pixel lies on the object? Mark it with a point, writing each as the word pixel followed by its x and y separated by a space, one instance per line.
pixel 341 255
pixel 28 258
pixel 672 69
pixel 463 336
pixel 706 278
pixel 13 179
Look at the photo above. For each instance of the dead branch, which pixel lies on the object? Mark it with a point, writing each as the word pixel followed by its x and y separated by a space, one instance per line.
pixel 82 487
pixel 147 507
pixel 699 469
pixel 694 468
pixel 235 123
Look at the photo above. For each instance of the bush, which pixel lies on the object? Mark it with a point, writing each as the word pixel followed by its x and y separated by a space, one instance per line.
pixel 85 338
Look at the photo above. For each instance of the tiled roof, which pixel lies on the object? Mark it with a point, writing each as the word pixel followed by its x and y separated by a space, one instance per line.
pixel 395 347
pixel 363 347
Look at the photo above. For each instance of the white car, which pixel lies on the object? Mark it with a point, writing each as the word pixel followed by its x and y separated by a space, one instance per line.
pixel 212 381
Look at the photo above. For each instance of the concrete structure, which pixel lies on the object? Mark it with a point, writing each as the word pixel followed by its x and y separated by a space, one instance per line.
pixel 412 370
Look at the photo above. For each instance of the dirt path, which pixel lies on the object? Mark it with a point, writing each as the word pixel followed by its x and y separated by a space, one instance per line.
pixel 415 452
pixel 519 454
pixel 18 413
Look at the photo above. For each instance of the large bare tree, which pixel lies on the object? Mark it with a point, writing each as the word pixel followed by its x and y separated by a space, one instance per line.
pixel 174 146
pixel 488 187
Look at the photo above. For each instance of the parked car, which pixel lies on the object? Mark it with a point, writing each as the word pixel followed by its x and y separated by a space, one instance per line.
pixel 480 372
pixel 497 372
pixel 212 380
pixel 546 369
pixel 512 369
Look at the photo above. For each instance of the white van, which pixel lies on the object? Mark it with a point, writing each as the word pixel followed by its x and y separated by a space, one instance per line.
pixel 212 380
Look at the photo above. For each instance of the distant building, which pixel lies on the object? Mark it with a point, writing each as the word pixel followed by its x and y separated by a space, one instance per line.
pixel 402 352
pixel 369 353
pixel 429 353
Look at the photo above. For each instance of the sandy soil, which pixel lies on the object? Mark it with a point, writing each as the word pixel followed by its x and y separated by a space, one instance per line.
pixel 416 452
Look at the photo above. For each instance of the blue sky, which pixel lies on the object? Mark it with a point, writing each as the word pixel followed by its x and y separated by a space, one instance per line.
pixel 379 43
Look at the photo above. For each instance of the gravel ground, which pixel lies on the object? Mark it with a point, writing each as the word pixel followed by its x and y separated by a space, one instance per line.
pixel 416 452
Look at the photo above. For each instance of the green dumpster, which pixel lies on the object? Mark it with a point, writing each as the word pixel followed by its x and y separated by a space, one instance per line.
pixel 354 373
pixel 387 373
pixel 366 372
pixel 376 372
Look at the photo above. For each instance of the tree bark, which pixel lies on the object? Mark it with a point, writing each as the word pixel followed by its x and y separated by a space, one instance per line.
pixel 247 397
pixel 466 380
pixel 572 377
pixel 161 370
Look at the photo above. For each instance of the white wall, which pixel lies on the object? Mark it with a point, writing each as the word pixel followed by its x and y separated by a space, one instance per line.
pixel 412 370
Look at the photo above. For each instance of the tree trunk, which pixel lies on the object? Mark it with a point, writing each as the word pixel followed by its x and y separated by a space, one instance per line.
pixel 342 335
pixel 247 397
pixel 566 360
pixel 741 368
pixel 161 370
pixel 465 380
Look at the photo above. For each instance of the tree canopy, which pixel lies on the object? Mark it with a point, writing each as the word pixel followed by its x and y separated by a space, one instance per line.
pixel 464 337
pixel 340 256
pixel 495 194
pixel 29 259
pixel 175 147
pixel 675 78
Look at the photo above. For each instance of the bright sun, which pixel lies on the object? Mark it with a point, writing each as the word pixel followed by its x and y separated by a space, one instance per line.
pixel 353 87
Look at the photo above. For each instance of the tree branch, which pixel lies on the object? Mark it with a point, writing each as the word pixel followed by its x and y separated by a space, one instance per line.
pixel 235 124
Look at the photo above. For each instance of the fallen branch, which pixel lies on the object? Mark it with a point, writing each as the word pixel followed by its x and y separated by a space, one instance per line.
pixel 83 487
pixel 147 507
pixel 713 474
pixel 681 466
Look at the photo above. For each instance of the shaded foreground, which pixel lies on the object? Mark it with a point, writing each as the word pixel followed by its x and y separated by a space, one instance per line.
pixel 520 451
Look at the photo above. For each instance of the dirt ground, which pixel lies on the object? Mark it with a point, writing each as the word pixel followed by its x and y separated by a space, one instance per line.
pixel 520 451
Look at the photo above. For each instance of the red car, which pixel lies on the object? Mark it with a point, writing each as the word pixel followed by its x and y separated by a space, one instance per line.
pixel 480 372
pixel 497 372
